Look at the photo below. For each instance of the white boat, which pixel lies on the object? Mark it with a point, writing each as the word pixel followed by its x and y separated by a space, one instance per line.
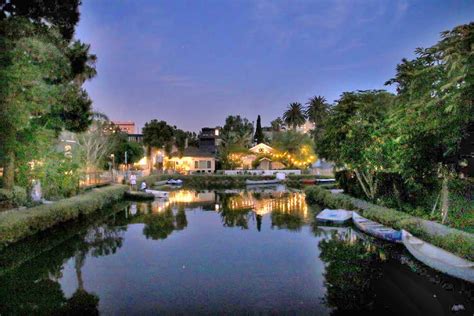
pixel 438 258
pixel 262 182
pixel 335 216
pixel 158 194
pixel 175 181
pixel 376 229
pixel 326 180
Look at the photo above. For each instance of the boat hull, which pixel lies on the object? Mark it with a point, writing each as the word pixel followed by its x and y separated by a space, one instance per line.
pixel 375 229
pixel 438 259
pixel 334 216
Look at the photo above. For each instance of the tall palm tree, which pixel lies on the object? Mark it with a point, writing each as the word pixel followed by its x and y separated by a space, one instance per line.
pixel 294 115
pixel 316 109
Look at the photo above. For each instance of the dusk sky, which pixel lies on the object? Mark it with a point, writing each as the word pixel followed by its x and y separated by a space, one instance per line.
pixel 192 63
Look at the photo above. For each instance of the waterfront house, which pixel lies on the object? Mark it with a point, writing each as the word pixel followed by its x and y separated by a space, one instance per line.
pixel 192 160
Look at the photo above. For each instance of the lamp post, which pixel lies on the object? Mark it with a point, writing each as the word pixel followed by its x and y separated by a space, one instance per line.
pixel 113 166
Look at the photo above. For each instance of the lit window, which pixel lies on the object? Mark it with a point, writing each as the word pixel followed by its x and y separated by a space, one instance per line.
pixel 216 132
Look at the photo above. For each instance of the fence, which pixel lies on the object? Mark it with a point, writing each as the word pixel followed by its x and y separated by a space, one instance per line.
pixel 261 172
pixel 95 178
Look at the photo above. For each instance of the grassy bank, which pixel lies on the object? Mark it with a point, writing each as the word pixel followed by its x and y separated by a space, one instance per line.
pixel 34 246
pixel 453 240
pixel 16 225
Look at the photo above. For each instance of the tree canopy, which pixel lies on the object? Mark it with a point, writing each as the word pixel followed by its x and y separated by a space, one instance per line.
pixel 258 137
pixel 294 116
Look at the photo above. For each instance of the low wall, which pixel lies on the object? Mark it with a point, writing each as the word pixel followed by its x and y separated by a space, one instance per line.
pixel 451 239
pixel 18 224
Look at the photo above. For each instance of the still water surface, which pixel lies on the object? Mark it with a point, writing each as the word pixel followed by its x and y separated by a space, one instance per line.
pixel 219 252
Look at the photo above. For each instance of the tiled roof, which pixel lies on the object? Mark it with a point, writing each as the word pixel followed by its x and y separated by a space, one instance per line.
pixel 193 152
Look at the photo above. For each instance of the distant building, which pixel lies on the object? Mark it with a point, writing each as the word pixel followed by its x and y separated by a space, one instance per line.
pixel 136 138
pixel 209 139
pixel 126 126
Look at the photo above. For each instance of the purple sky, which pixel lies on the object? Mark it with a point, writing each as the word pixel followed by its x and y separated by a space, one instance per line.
pixel 192 63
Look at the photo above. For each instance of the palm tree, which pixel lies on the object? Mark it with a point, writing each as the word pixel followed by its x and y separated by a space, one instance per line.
pixel 294 115
pixel 316 109
pixel 276 124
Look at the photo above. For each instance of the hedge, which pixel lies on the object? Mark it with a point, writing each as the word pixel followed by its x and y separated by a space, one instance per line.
pixel 31 247
pixel 18 224
pixel 13 198
pixel 450 239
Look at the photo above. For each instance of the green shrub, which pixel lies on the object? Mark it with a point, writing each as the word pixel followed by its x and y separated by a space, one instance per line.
pixel 457 242
pixel 16 225
pixel 13 198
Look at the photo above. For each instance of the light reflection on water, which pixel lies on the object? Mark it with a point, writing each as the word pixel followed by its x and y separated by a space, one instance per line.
pixel 227 251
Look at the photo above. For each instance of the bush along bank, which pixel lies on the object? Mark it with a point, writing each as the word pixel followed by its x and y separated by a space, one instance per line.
pixel 18 224
pixel 73 232
pixel 450 239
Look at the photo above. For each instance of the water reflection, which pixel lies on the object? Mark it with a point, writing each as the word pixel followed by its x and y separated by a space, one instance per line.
pixel 123 260
pixel 288 209
pixel 33 286
pixel 351 264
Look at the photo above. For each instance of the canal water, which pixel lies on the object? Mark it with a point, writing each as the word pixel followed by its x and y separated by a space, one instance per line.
pixel 211 252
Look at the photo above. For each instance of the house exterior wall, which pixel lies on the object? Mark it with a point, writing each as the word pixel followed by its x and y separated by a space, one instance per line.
pixel 127 127
pixel 193 164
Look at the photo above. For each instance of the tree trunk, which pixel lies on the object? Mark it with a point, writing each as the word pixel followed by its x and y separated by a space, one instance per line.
pixel 9 170
pixel 368 184
pixel 150 159
pixel 444 199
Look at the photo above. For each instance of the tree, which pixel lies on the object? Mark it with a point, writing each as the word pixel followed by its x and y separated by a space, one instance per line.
pixel 434 108
pixel 316 111
pixel 351 130
pixel 296 149
pixel 158 134
pixel 258 137
pixel 237 132
pixel 63 14
pixel 133 150
pixel 276 124
pixel 37 93
pixel 294 115
pixel 97 143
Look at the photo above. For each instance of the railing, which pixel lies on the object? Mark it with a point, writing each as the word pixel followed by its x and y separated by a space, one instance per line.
pixel 95 178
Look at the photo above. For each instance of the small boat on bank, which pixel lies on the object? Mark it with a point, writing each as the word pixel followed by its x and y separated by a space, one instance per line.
pixel 438 259
pixel 375 229
pixel 326 180
pixel 335 216
pixel 262 182
pixel 308 181
pixel 158 194
pixel 175 182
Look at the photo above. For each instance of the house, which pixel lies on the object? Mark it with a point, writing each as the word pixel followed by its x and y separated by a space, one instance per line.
pixel 265 161
pixel 192 160
pixel 209 139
